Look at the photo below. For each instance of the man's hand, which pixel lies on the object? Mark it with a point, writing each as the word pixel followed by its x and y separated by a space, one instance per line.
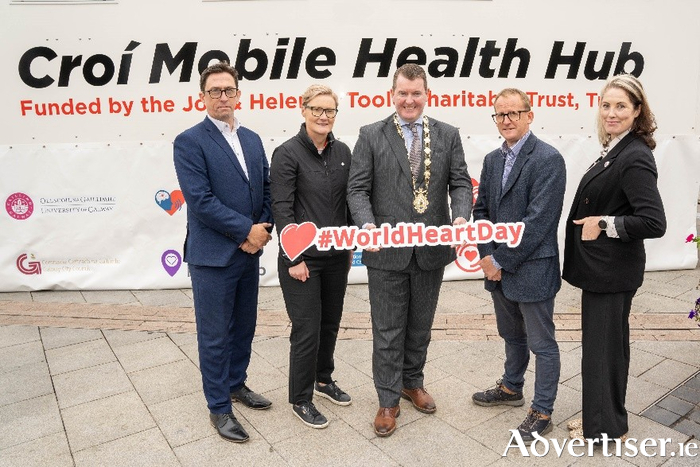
pixel 248 248
pixel 370 227
pixel 459 221
pixel 258 235
pixel 489 269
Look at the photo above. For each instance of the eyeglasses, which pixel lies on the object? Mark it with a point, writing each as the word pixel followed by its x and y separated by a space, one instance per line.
pixel 318 111
pixel 513 116
pixel 216 92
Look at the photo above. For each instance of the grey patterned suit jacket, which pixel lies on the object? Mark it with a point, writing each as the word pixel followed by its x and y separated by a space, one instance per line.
pixel 533 194
pixel 380 189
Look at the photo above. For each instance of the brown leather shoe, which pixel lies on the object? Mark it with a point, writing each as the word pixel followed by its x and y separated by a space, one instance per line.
pixel 385 421
pixel 422 401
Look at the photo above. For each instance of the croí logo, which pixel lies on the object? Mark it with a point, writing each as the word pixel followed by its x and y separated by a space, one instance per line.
pixel 28 267
pixel 170 202
pixel 19 206
pixel 467 257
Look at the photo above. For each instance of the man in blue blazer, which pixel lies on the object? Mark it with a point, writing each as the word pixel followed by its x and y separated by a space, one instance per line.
pixel 223 174
pixel 523 181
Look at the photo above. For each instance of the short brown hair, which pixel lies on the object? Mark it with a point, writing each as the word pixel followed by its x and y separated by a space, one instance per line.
pixel 221 67
pixel 411 72
pixel 514 92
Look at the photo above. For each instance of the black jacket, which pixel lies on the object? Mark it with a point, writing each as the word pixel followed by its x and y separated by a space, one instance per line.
pixel 623 184
pixel 308 186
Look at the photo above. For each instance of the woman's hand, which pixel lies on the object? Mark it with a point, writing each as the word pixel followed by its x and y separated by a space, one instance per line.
pixel 591 230
pixel 299 272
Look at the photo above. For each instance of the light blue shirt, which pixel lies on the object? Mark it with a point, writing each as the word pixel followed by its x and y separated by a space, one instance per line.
pixel 408 134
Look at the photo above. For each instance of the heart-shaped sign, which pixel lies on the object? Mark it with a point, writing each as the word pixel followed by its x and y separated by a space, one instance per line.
pixel 296 238
pixel 170 202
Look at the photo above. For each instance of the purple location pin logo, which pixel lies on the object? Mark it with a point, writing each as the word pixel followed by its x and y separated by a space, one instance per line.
pixel 172 261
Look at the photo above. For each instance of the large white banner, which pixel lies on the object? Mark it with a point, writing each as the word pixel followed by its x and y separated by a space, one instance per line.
pixel 93 96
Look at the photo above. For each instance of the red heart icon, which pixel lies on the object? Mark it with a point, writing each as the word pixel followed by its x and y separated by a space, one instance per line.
pixel 471 255
pixel 296 238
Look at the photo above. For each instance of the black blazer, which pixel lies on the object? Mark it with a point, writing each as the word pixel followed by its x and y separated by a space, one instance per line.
pixel 623 184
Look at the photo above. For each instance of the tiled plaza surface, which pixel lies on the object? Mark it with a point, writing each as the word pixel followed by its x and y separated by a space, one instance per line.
pixel 111 378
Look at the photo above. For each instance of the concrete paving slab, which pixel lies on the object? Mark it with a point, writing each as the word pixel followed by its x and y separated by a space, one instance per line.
pixel 15 296
pixel 149 353
pixel 51 450
pixel 58 296
pixel 641 361
pixel 339 444
pixel 168 381
pixel 60 337
pixel 686 352
pixel 104 420
pixel 78 356
pixel 275 351
pixel 147 448
pixel 174 298
pixel 26 382
pixel 120 297
pixel 13 335
pixel 452 447
pixel 15 357
pixel 118 338
pixel 89 384
pixel 641 394
pixel 183 419
pixel 264 377
pixel 214 452
pixel 668 373
pixel 183 338
pixel 354 352
pixel 192 353
pixel 29 420
pixel 455 407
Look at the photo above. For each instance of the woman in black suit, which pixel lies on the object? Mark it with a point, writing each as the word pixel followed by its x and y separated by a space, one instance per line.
pixel 617 205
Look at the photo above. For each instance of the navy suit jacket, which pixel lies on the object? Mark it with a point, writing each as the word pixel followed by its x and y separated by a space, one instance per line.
pixel 533 194
pixel 222 203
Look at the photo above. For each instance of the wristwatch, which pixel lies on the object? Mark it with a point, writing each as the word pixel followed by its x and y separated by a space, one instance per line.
pixel 603 224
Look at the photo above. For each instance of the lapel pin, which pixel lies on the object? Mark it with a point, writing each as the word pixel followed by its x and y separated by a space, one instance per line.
pixel 607 163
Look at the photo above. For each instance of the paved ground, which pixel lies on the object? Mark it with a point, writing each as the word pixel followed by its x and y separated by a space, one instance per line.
pixel 111 378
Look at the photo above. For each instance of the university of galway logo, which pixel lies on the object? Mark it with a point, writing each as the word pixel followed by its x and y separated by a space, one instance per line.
pixel 28 267
pixel 19 206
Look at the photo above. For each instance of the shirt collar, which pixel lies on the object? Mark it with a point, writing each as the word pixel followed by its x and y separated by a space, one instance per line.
pixel 517 146
pixel 402 122
pixel 223 126
pixel 616 140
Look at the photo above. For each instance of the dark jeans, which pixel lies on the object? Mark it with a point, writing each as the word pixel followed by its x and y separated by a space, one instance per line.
pixel 315 308
pixel 529 327
pixel 605 362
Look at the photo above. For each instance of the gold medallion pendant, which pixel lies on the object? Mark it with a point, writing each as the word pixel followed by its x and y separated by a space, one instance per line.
pixel 420 200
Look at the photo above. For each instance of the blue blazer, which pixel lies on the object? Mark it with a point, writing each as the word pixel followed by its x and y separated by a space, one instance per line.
pixel 222 203
pixel 533 194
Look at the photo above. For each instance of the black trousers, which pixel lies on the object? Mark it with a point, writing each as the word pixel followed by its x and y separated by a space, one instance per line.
pixel 605 362
pixel 315 308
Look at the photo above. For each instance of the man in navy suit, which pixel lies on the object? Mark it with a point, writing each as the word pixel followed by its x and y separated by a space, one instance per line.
pixel 523 181
pixel 223 174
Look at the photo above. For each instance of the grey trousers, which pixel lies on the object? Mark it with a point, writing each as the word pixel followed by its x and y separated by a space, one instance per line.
pixel 403 307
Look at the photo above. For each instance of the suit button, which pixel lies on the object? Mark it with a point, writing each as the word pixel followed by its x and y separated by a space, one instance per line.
pixel 585 201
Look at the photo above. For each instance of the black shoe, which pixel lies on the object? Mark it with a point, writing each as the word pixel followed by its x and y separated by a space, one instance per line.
pixel 307 413
pixel 534 422
pixel 497 396
pixel 333 393
pixel 250 399
pixel 228 427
